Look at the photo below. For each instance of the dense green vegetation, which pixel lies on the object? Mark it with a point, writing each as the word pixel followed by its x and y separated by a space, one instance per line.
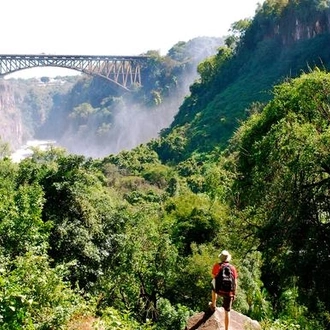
pixel 128 240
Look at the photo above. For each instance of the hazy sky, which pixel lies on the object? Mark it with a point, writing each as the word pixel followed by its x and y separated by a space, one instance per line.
pixel 113 27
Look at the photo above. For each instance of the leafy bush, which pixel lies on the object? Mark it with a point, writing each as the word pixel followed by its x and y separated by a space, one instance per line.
pixel 112 319
pixel 172 317
pixel 34 296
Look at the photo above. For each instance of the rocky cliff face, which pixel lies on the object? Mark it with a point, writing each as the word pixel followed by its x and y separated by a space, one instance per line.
pixel 11 121
pixel 295 27
pixel 293 22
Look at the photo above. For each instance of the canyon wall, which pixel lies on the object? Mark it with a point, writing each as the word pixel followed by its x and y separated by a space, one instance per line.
pixel 11 128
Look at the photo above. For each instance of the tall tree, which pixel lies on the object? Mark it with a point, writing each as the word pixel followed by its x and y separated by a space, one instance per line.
pixel 283 185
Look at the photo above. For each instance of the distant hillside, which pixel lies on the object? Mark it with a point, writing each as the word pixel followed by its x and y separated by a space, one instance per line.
pixel 284 39
pixel 96 121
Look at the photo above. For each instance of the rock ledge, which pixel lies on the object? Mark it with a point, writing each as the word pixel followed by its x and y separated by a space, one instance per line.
pixel 209 320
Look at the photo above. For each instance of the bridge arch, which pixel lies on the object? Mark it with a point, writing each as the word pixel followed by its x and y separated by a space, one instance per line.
pixel 124 71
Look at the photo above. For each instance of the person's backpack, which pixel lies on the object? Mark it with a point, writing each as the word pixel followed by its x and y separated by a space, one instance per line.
pixel 225 281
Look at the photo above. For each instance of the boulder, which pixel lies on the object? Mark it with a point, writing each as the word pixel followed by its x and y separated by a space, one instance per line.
pixel 210 320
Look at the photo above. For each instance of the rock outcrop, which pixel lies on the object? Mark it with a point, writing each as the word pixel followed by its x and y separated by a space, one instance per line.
pixel 11 121
pixel 209 320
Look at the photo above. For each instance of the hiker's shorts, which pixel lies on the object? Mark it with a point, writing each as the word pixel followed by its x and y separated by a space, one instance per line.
pixel 227 302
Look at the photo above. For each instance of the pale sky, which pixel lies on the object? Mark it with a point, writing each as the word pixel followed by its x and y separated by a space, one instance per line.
pixel 113 27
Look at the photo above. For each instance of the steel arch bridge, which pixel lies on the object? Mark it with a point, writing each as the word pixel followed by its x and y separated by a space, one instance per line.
pixel 124 71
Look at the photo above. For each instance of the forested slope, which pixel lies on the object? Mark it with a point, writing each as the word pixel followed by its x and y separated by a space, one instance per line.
pixel 284 39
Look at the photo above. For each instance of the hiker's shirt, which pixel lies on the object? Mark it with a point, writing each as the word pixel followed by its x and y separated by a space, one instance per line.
pixel 216 269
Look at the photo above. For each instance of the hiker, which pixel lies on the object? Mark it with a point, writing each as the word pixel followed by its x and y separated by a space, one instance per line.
pixel 224 284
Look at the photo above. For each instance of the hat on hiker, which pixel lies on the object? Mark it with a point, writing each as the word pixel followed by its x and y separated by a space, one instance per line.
pixel 224 256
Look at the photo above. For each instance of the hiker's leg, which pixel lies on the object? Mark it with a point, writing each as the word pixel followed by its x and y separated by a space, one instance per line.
pixel 227 320
pixel 227 303
pixel 214 299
